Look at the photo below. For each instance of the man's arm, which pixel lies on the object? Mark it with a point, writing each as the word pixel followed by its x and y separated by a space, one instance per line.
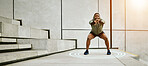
pixel 102 21
pixel 91 22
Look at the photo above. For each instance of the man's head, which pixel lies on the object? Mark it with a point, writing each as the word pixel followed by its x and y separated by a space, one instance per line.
pixel 96 16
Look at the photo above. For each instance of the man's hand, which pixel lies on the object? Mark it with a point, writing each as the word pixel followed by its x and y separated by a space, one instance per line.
pixel 97 21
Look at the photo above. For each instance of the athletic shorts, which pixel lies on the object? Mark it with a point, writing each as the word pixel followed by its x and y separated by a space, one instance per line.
pixel 99 35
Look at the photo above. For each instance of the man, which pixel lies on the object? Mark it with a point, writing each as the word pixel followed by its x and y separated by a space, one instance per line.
pixel 97 25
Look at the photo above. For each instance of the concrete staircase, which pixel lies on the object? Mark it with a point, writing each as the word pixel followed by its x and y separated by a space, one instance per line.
pixel 16 52
pixel 23 42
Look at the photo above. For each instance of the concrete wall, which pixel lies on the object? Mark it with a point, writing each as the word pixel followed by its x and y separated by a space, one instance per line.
pixel 137 11
pixel 35 13
pixel 44 14
pixel 118 24
pixel 6 11
pixel 6 8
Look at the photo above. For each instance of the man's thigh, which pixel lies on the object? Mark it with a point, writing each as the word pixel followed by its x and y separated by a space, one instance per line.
pixel 90 36
pixel 103 36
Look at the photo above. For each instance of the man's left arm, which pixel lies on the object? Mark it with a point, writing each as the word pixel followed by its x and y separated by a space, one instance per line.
pixel 102 21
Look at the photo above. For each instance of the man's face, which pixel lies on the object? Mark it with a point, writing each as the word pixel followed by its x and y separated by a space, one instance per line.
pixel 97 17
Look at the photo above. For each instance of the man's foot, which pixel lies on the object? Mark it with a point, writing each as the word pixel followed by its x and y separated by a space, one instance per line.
pixel 108 52
pixel 86 52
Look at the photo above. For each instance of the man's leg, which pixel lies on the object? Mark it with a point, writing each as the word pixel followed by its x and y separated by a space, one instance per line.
pixel 104 37
pixel 89 38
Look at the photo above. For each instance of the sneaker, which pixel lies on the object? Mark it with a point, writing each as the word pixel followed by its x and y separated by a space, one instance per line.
pixel 86 52
pixel 108 52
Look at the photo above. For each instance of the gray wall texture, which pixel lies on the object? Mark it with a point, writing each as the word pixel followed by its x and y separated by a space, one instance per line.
pixel 6 8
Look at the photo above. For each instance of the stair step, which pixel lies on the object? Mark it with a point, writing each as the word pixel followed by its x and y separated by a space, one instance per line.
pixel 15 56
pixel 7 40
pixel 5 57
pixel 16 31
pixel 41 52
pixel 22 46
pixel 8 43
pixel 14 46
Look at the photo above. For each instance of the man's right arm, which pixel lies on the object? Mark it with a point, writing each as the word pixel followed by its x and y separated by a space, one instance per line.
pixel 91 22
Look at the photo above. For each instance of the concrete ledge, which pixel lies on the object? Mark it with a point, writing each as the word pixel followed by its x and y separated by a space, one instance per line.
pixel 41 52
pixel 9 20
pixel 44 34
pixel 7 40
pixel 24 31
pixel 38 33
pixel 128 61
pixel 35 33
pixel 22 46
pixel 143 61
pixel 11 30
pixel 5 57
pixel 12 56
pixel 14 46
pixel 5 20
pixel 15 22
pixel 6 47
pixel 49 44
pixel 131 54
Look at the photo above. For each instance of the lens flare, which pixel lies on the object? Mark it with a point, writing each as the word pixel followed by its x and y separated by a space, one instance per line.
pixel 139 3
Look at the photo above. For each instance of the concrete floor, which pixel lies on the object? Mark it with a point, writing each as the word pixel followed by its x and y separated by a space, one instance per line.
pixel 97 57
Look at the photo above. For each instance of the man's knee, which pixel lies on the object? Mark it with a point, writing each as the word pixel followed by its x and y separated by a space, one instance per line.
pixel 105 39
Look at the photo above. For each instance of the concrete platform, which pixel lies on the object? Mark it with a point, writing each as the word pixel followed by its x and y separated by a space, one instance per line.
pixel 97 57
pixel 14 46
